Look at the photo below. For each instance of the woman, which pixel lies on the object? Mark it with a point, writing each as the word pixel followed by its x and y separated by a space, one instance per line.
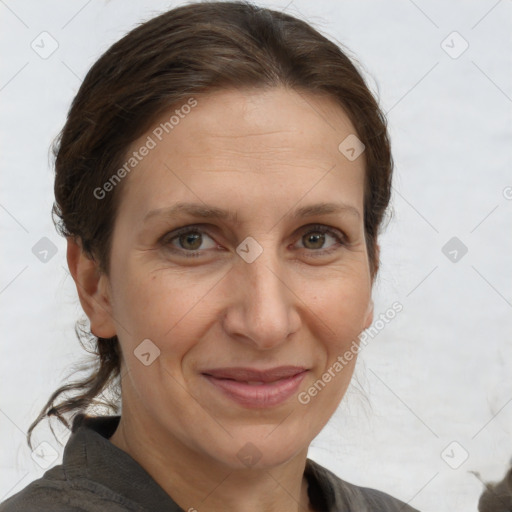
pixel 221 180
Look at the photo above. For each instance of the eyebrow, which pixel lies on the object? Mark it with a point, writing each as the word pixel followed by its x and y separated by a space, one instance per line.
pixel 206 211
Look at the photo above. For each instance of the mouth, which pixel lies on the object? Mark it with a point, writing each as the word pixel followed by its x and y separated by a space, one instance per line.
pixel 254 375
pixel 257 388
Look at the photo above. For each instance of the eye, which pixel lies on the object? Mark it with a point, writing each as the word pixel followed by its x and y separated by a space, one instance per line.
pixel 316 237
pixel 188 241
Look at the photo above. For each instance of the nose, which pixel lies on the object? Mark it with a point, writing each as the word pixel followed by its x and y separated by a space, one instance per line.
pixel 262 309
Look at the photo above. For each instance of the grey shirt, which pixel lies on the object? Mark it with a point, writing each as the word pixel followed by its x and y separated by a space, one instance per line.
pixel 96 475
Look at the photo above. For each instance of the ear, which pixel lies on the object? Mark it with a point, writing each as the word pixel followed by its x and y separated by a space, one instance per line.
pixel 93 290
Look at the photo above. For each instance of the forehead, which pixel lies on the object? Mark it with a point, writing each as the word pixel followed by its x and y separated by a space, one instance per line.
pixel 272 119
pixel 245 145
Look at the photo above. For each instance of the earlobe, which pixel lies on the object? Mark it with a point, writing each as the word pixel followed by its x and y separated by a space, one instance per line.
pixel 93 290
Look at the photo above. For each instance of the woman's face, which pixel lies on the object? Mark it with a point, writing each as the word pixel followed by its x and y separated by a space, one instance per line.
pixel 209 297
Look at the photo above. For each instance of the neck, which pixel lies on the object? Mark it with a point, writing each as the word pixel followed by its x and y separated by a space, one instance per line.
pixel 196 482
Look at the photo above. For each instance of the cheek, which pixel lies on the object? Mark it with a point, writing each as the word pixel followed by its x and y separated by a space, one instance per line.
pixel 340 303
pixel 340 308
pixel 170 304
pixel 160 309
pixel 159 305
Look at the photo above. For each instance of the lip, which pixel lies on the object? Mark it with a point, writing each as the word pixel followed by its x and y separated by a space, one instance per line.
pixel 278 384
pixel 246 374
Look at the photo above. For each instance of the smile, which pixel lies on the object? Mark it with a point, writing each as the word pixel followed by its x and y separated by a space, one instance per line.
pixel 258 393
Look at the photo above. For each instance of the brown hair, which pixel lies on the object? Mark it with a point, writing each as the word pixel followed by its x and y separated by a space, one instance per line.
pixel 191 49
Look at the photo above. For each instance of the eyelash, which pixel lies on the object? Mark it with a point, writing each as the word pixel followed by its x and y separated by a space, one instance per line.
pixel 316 228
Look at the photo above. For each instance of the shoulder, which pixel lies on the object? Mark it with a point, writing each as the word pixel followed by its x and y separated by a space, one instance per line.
pixel 53 492
pixel 374 499
pixel 343 495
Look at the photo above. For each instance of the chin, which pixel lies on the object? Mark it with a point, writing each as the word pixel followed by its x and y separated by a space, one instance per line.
pixel 263 447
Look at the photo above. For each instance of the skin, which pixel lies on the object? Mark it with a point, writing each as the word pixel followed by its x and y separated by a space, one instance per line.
pixel 261 154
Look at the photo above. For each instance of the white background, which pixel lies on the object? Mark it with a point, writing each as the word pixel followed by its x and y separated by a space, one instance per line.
pixel 441 370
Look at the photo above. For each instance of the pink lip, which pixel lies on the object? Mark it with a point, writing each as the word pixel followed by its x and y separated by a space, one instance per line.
pixel 251 374
pixel 279 384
